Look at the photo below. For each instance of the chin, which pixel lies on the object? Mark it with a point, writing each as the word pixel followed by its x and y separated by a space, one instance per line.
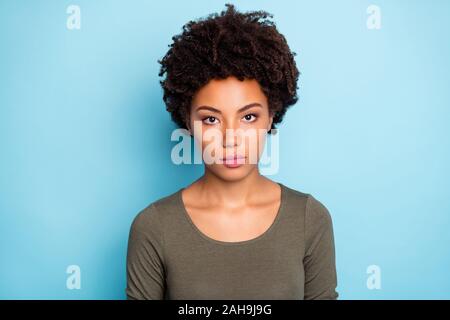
pixel 231 174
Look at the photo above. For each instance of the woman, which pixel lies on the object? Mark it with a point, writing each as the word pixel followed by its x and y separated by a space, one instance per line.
pixel 233 233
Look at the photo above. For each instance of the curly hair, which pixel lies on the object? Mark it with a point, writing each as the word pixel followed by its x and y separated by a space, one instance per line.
pixel 244 45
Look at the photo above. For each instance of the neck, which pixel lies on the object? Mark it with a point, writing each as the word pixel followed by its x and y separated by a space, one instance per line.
pixel 233 193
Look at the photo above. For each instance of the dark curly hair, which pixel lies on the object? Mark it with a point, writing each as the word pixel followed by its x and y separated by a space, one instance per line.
pixel 244 45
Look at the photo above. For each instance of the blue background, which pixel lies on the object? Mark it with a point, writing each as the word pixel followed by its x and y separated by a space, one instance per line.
pixel 85 138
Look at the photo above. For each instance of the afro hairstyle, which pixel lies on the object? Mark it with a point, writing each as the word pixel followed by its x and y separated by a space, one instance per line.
pixel 244 45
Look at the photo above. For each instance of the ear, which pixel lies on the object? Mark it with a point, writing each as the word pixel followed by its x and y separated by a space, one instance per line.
pixel 270 122
pixel 188 126
pixel 187 122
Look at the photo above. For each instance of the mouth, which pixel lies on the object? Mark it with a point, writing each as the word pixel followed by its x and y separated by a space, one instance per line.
pixel 233 161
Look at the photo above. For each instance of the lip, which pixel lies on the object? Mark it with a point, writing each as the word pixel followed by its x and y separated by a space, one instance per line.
pixel 232 161
pixel 234 157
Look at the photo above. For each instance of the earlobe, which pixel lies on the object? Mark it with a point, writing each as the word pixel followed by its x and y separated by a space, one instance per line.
pixel 189 130
pixel 188 127
pixel 270 124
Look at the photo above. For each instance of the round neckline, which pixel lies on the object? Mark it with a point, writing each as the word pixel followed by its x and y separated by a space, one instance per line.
pixel 233 243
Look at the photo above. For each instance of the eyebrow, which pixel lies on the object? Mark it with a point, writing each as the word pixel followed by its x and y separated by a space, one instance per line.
pixel 248 106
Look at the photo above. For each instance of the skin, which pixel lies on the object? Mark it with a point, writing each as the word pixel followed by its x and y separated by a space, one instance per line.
pixel 238 204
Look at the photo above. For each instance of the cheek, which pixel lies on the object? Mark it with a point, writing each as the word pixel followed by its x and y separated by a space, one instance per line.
pixel 208 138
pixel 254 143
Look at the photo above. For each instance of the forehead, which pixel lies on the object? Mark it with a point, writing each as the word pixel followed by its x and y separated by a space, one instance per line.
pixel 229 93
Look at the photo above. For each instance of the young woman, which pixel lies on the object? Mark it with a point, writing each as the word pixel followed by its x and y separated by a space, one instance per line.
pixel 232 233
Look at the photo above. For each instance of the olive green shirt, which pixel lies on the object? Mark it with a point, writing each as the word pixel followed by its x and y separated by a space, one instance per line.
pixel 170 258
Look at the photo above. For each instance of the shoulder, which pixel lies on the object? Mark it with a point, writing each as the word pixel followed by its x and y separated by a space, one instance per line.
pixel 153 217
pixel 312 209
pixel 316 211
pixel 293 197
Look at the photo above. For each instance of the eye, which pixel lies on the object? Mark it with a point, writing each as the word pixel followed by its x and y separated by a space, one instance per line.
pixel 248 117
pixel 205 120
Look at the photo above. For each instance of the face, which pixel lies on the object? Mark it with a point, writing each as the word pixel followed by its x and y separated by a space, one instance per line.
pixel 229 120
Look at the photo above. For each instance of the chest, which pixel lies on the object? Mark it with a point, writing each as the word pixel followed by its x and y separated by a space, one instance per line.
pixel 247 272
pixel 233 226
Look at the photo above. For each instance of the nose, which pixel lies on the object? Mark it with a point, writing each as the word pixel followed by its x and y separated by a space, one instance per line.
pixel 230 136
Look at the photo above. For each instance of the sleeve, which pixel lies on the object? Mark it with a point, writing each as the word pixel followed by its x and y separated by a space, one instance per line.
pixel 319 259
pixel 145 257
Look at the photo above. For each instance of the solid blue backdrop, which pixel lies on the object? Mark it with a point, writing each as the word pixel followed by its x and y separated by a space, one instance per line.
pixel 85 138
